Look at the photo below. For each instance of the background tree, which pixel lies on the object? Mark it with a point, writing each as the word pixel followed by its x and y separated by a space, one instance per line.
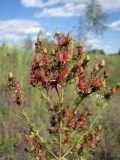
pixel 93 22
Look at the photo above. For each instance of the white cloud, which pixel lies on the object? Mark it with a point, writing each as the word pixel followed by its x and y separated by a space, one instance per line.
pixel 115 25
pixel 112 5
pixel 15 30
pixel 65 8
pixel 68 10
pixel 39 3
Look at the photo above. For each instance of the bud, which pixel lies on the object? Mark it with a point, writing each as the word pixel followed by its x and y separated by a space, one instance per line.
pixel 57 33
pixel 102 64
pixel 87 58
pixel 10 76
pixel 39 38
pixel 118 86
pixel 69 36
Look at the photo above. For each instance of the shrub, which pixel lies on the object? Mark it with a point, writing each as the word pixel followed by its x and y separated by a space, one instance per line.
pixel 73 132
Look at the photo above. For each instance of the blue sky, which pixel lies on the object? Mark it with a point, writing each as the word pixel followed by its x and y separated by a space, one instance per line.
pixel 21 18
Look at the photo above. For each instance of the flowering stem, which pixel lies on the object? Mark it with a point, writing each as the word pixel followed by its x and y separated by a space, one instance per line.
pixel 36 133
pixel 96 117
pixel 61 99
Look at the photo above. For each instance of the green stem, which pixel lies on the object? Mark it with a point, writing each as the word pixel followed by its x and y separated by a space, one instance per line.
pixel 36 133
pixel 61 100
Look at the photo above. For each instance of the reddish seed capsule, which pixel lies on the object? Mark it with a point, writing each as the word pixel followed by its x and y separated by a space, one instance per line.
pixel 96 82
pixel 108 95
pixel 71 122
pixel 84 125
pixel 81 69
pixel 96 68
pixel 65 56
pixel 64 71
pixel 69 47
pixel 113 90
pixel 45 57
pixel 36 144
pixel 74 150
pixel 51 129
pixel 18 99
pixel 53 121
pixel 42 157
pixel 81 84
pixel 37 73
pixel 33 83
pixel 106 74
pixel 93 146
pixel 74 69
pixel 51 107
pixel 37 58
pixel 32 74
pixel 79 123
pixel 58 130
pixel 74 56
pixel 68 137
pixel 84 145
pixel 44 79
pixel 61 39
pixel 60 57
pixel 59 79
pixel 59 108
pixel 47 72
pixel 80 50
pixel 45 50
pixel 56 47
pixel 18 87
